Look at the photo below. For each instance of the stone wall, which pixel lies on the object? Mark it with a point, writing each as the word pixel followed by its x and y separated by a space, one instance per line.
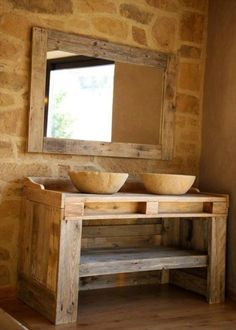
pixel 177 26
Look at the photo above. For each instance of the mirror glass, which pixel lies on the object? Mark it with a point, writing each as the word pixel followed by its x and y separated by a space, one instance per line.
pixel 94 99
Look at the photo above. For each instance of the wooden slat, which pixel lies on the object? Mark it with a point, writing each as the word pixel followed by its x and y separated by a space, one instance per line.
pixel 188 281
pixel 112 261
pixel 126 230
pixel 122 241
pixel 68 271
pixel 47 197
pixel 120 280
pixel 37 94
pixel 136 197
pixel 87 46
pixel 216 252
pixel 109 149
pixel 25 237
pixel 37 296
pixel 169 108
pixel 138 215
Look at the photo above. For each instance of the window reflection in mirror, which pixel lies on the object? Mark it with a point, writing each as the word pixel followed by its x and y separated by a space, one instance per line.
pixel 98 100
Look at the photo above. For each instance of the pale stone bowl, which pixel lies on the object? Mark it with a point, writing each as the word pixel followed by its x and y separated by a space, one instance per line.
pixel 97 182
pixel 167 184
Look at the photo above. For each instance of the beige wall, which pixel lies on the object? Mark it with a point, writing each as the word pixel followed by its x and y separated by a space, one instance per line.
pixel 218 163
pixel 137 103
pixel 168 25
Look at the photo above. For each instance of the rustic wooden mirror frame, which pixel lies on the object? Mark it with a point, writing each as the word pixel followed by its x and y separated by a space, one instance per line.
pixel 44 40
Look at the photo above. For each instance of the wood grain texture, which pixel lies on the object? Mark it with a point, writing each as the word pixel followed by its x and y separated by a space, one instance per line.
pixel 37 88
pixel 68 271
pixel 216 252
pixel 44 40
pixel 162 307
pixel 108 149
pixel 111 261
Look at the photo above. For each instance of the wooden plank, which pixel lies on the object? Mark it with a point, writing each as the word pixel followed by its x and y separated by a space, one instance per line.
pixel 188 281
pixel 122 241
pixel 216 207
pixel 74 210
pixel 94 148
pixel 141 215
pixel 25 237
pixel 171 232
pixel 216 252
pixel 47 197
pixel 68 271
pixel 37 297
pixel 37 88
pixel 119 230
pixel 120 280
pixel 112 261
pixel 87 46
pixel 140 197
pixel 169 108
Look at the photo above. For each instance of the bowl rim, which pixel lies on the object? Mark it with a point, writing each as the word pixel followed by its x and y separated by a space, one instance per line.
pixel 168 174
pixel 97 172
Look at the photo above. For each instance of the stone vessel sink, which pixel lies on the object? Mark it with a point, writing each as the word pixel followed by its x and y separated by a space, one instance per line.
pixel 97 182
pixel 167 184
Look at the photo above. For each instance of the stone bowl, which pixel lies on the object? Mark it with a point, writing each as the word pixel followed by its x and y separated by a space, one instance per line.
pixel 167 184
pixel 97 182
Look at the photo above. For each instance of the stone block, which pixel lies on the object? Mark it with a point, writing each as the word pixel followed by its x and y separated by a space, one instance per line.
pixel 164 33
pixel 135 13
pixel 17 26
pixel 6 99
pixel 13 81
pixel 6 149
pixel 192 27
pixel 111 27
pixel 8 122
pixel 168 5
pixel 9 49
pixel 187 104
pixel 53 7
pixel 139 35
pixel 96 6
pixel 189 76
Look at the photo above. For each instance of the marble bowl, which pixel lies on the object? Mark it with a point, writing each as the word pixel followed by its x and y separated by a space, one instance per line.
pixel 97 182
pixel 167 184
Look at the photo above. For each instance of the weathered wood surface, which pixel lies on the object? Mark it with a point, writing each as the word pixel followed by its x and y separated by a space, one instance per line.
pixel 37 296
pixel 68 271
pixel 39 243
pixel 87 46
pixel 47 40
pixel 110 261
pixel 37 94
pixel 109 149
pixel 122 233
pixel 217 256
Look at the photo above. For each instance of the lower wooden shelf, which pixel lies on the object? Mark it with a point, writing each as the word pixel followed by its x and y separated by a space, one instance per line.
pixel 113 261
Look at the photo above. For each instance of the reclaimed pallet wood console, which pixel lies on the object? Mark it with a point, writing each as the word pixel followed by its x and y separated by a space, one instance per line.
pixel 59 224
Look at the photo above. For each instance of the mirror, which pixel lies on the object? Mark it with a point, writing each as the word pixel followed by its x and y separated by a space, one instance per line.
pixel 92 97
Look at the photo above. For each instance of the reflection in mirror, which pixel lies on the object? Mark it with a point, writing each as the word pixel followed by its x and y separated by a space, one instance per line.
pixel 99 100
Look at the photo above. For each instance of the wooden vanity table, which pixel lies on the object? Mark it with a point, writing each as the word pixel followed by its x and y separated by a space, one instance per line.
pixel 190 253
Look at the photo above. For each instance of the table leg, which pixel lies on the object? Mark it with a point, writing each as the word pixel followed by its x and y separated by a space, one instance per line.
pixel 216 253
pixel 68 271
